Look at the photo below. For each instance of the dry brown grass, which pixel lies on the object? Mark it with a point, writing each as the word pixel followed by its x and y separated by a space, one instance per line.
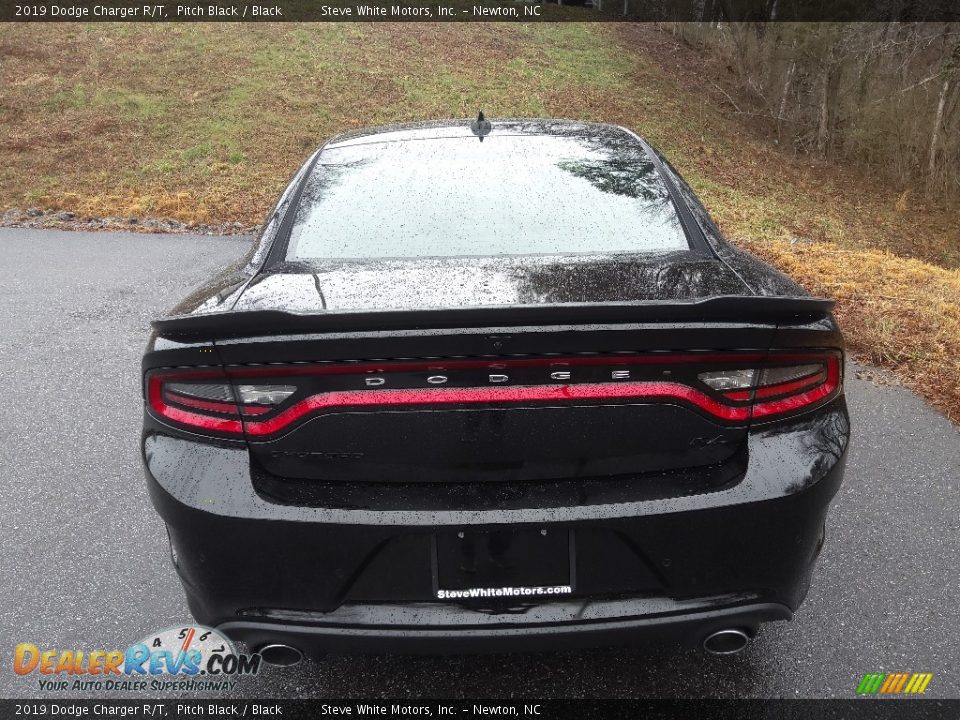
pixel 889 259
pixel 898 313
pixel 205 122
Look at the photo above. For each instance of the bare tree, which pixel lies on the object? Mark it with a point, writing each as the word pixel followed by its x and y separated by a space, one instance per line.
pixel 881 95
pixel 950 65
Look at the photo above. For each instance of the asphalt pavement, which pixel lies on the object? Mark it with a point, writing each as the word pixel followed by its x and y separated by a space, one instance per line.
pixel 84 560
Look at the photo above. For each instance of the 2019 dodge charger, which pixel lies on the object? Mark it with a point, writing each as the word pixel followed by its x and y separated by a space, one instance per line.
pixel 489 385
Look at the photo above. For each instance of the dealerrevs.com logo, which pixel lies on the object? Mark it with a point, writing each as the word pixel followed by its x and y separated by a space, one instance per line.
pixel 184 658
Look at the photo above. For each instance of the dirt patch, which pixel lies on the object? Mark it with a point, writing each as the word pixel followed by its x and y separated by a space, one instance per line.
pixel 64 220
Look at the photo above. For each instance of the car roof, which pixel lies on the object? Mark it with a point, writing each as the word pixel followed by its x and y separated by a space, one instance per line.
pixel 436 129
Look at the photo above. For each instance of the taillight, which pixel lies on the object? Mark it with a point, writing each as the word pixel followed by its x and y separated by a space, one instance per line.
pixel 197 400
pixel 786 384
pixel 792 388
pixel 266 400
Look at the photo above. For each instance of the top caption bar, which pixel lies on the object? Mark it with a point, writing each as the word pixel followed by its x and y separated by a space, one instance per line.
pixel 482 11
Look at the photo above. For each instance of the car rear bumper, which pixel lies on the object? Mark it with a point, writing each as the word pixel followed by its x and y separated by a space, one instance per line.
pixel 348 576
pixel 341 632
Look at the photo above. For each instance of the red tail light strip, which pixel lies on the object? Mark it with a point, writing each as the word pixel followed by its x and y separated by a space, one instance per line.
pixel 775 390
pixel 339 400
pixel 217 407
pixel 203 422
pixel 794 402
pixel 177 407
pixel 789 387
pixel 251 410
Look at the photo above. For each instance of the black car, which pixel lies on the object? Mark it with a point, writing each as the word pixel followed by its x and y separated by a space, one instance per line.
pixel 483 386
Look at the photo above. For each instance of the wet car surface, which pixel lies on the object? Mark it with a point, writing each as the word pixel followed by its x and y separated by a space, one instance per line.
pixel 95 573
pixel 557 321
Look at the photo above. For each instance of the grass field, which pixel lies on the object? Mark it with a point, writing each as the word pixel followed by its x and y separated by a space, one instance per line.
pixel 205 123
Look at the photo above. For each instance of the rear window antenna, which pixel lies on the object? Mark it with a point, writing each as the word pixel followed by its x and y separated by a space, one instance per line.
pixel 481 126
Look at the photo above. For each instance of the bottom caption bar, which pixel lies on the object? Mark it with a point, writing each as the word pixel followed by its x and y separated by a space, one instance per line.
pixel 634 709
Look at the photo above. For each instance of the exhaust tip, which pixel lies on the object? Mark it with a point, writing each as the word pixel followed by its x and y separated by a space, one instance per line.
pixel 279 654
pixel 728 641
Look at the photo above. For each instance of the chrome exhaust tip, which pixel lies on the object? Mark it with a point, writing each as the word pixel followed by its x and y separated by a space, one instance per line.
pixel 728 641
pixel 282 655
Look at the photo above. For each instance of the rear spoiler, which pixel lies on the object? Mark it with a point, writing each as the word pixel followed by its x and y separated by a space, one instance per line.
pixel 258 323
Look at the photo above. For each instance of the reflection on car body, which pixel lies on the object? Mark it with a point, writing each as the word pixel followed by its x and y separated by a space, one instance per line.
pixel 456 375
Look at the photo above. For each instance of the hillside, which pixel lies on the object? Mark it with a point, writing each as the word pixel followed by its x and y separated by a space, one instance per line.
pixel 204 123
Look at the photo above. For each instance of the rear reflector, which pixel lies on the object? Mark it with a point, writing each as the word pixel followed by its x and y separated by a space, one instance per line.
pixel 737 388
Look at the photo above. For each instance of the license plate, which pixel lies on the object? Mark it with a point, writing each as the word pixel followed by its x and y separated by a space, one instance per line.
pixel 526 564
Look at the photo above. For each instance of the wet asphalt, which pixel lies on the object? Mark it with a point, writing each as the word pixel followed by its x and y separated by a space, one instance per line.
pixel 84 561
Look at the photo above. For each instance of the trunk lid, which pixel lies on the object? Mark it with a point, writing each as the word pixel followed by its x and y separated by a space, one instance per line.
pixel 493 368
pixel 516 281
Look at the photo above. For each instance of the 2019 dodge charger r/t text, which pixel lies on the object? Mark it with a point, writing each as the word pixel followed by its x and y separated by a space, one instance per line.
pixel 493 385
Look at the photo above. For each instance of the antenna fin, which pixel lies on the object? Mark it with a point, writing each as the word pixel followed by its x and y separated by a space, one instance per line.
pixel 481 126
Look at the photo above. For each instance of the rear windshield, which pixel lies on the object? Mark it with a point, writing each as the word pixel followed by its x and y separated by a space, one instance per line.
pixel 514 195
